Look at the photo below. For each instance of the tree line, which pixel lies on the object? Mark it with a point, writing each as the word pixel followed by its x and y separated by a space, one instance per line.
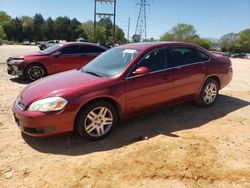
pixel 233 43
pixel 62 28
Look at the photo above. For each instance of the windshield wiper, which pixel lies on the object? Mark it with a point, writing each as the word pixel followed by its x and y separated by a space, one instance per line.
pixel 93 73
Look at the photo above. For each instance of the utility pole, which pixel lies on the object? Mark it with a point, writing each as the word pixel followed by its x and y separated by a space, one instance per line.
pixel 141 25
pixel 99 11
pixel 128 28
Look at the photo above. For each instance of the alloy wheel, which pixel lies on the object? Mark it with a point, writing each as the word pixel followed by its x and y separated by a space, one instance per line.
pixel 35 72
pixel 210 93
pixel 98 121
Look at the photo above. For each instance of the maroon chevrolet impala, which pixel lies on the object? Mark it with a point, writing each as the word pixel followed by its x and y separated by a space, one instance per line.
pixel 58 58
pixel 121 82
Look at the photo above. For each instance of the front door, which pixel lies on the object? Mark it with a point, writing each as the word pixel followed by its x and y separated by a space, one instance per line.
pixel 153 88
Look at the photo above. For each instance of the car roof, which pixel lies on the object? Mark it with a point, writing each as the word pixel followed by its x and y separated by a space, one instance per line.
pixel 83 43
pixel 149 45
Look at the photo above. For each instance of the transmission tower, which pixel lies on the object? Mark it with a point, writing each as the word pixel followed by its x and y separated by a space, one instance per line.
pixel 141 25
pixel 105 9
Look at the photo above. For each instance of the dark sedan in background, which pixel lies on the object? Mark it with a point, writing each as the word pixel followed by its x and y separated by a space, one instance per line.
pixel 58 58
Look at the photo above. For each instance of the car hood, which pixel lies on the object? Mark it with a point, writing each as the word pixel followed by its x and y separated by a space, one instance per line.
pixel 27 55
pixel 62 84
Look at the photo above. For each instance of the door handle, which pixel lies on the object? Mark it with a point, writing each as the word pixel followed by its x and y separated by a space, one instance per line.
pixel 165 77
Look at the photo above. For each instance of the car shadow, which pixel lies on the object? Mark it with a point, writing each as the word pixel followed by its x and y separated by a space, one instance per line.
pixel 20 80
pixel 162 122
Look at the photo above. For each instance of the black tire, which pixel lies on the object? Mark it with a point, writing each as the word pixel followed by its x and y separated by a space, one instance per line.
pixel 90 118
pixel 43 47
pixel 34 72
pixel 208 93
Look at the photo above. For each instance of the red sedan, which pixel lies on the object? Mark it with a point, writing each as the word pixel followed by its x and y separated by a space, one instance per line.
pixel 58 58
pixel 121 82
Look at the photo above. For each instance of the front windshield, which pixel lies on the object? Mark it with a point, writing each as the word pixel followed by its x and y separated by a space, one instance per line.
pixel 111 63
pixel 51 49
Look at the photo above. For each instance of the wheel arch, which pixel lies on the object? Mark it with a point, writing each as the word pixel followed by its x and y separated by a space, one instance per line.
pixel 106 99
pixel 216 78
pixel 31 64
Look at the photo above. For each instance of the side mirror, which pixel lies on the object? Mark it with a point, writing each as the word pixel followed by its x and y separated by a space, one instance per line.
pixel 141 71
pixel 56 54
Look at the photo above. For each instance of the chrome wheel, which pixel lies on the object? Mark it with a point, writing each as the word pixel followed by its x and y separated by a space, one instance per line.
pixel 98 121
pixel 35 72
pixel 210 93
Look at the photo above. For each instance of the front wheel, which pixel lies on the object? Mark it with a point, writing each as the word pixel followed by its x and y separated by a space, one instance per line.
pixel 96 120
pixel 208 94
pixel 34 72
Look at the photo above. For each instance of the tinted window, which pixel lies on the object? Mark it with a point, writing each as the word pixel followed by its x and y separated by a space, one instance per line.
pixel 184 56
pixel 70 50
pixel 154 61
pixel 90 49
pixel 204 56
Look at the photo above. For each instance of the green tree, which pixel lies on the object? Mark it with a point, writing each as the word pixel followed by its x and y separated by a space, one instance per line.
pixel 88 28
pixel 181 32
pixel 38 27
pixel 63 28
pixel 108 25
pixel 242 43
pixel 76 30
pixel 227 42
pixel 49 29
pixel 185 33
pixel 27 23
pixel 14 30
pixel 4 19
pixel 120 36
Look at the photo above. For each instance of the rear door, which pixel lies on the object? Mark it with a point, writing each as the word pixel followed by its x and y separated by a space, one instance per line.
pixel 153 88
pixel 188 70
pixel 88 52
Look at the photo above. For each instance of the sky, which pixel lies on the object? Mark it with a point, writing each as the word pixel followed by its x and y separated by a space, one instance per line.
pixel 211 18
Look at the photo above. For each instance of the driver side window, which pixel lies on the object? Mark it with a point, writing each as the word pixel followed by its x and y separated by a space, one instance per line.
pixel 68 50
pixel 154 61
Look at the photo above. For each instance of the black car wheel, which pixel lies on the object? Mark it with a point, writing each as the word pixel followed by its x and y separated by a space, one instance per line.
pixel 208 94
pixel 96 121
pixel 34 72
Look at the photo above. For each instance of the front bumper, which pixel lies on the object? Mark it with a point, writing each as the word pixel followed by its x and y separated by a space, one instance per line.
pixel 39 124
pixel 14 70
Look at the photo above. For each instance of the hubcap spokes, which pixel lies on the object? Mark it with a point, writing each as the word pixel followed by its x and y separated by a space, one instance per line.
pixel 210 93
pixel 98 121
pixel 36 72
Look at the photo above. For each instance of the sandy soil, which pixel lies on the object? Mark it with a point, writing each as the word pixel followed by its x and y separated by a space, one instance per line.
pixel 186 147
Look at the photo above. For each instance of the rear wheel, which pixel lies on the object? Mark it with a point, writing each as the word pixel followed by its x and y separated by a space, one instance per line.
pixel 96 120
pixel 208 94
pixel 34 72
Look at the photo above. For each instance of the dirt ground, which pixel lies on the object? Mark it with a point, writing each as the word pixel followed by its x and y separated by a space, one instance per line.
pixel 186 147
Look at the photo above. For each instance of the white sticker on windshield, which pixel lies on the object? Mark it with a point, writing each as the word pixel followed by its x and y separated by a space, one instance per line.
pixel 130 51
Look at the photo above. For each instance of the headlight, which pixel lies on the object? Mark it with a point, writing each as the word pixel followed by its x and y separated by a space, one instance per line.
pixel 48 104
pixel 15 61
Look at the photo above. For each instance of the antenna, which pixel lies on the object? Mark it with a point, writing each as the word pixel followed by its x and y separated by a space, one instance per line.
pixel 110 7
pixel 141 25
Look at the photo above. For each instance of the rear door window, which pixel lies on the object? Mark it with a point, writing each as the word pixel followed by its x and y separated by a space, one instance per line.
pixel 90 49
pixel 181 56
